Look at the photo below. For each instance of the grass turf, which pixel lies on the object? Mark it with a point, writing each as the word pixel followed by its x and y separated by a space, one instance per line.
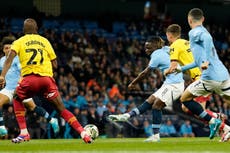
pixel 117 145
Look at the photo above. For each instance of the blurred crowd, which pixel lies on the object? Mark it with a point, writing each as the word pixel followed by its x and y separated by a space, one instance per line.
pixel 95 67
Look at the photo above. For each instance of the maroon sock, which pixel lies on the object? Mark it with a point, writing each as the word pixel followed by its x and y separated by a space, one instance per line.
pixel 72 120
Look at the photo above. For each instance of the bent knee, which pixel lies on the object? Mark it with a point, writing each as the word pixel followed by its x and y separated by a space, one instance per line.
pixel 184 109
pixel 186 96
pixel 151 99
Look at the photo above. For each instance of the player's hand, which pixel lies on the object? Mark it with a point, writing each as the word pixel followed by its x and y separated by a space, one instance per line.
pixel 2 82
pixel 178 69
pixel 131 86
pixel 204 65
pixel 166 72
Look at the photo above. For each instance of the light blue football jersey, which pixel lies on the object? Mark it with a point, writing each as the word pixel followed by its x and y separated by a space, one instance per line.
pixel 160 59
pixel 203 49
pixel 13 74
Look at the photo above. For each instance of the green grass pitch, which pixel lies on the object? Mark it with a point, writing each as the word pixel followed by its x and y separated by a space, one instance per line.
pixel 117 145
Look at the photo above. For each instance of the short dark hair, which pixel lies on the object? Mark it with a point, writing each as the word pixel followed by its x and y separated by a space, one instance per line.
pixel 196 13
pixel 7 41
pixel 156 40
pixel 175 29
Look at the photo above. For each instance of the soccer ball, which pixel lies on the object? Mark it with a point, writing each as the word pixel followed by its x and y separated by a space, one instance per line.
pixel 92 130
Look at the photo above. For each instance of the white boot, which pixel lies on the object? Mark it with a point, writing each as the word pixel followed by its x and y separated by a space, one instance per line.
pixel 120 117
pixel 153 138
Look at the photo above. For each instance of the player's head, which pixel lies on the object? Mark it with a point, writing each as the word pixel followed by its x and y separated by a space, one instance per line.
pixel 153 43
pixel 195 17
pixel 6 44
pixel 173 32
pixel 30 26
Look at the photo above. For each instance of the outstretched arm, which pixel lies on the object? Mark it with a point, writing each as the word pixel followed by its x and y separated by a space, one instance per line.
pixel 140 77
pixel 189 66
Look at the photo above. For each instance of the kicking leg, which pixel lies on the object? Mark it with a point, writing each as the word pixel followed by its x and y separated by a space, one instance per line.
pixel 195 108
pixel 70 118
pixel 147 105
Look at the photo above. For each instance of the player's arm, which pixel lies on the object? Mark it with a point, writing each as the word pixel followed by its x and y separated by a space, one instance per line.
pixel 188 66
pixel 54 63
pixel 172 68
pixel 8 62
pixel 174 57
pixel 6 66
pixel 140 77
pixel 51 54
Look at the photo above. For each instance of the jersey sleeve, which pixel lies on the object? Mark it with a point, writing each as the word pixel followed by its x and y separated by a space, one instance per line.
pixel 16 46
pixel 51 52
pixel 189 66
pixel 195 36
pixel 199 38
pixel 154 62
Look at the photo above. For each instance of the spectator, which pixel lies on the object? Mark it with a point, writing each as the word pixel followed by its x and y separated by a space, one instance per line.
pixel 11 123
pixel 33 121
pixel 81 100
pixel 148 128
pixel 168 129
pixel 186 129
pixel 101 108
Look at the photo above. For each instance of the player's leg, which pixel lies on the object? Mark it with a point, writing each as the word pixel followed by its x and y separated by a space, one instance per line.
pixel 202 100
pixel 197 88
pixel 20 111
pixel 53 96
pixel 147 105
pixel 30 105
pixel 156 123
pixel 225 92
pixel 21 92
pixel 164 97
pixel 4 99
pixel 69 118
pixel 155 99
pixel 157 107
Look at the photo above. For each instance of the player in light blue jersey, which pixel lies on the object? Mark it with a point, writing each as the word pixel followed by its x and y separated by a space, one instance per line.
pixel 171 89
pixel 214 77
pixel 6 94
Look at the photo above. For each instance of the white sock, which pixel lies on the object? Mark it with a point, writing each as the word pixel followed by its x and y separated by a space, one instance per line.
pixel 24 131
